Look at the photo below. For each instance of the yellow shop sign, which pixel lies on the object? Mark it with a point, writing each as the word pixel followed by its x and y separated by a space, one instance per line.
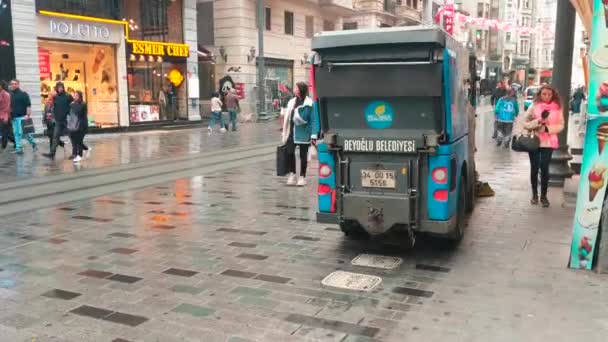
pixel 160 49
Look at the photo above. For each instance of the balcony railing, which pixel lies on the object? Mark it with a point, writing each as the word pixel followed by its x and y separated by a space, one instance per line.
pixel 337 4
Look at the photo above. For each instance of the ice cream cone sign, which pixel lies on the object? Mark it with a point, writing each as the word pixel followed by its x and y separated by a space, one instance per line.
pixel 602 136
pixel 596 180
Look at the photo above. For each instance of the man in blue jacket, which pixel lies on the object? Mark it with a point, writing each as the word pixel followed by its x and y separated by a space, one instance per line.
pixel 506 110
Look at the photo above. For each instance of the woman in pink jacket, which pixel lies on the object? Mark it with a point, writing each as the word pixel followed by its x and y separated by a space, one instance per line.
pixel 545 118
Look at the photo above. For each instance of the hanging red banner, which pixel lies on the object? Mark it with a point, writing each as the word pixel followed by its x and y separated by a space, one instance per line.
pixel 448 18
pixel 240 90
pixel 44 63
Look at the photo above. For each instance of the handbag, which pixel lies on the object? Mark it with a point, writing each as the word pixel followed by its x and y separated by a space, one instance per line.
pixel 282 160
pixel 27 126
pixel 526 143
pixel 73 123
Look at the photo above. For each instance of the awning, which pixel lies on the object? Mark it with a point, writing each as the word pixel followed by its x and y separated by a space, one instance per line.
pixel 584 8
pixel 546 73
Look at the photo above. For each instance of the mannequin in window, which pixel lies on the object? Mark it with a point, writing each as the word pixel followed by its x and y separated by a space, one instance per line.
pixel 162 101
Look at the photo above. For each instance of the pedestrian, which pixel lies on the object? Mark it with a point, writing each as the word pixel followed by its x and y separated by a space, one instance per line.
pixel 231 101
pixel 545 119
pixel 499 92
pixel 48 119
pixel 5 113
pixel 216 113
pixel 285 96
pixel 78 127
pixel 21 110
pixel 506 110
pixel 61 109
pixel 299 130
pixel 577 99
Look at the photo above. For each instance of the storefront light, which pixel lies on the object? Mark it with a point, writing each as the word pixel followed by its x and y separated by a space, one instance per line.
pixel 142 58
pixel 132 58
pixel 159 59
pixel 151 59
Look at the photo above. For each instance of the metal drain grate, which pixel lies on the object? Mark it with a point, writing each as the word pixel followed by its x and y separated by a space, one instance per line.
pixel 377 261
pixel 351 281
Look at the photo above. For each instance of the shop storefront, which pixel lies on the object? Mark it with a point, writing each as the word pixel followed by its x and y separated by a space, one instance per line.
pixel 156 77
pixel 156 61
pixel 85 54
pixel 131 71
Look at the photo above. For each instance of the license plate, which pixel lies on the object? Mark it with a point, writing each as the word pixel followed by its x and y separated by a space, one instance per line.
pixel 378 179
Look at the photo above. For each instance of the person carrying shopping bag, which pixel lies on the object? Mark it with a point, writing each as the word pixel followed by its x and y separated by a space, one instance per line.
pixel 77 124
pixel 300 130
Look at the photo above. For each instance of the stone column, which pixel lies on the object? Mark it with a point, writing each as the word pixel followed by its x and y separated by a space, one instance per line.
pixel 26 54
pixel 562 75
pixel 191 38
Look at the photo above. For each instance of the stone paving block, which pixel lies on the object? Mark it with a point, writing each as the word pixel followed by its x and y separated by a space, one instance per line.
pixel 193 310
pixel 257 301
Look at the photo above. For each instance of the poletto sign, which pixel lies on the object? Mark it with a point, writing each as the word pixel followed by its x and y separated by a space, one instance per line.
pixel 157 49
pixel 80 30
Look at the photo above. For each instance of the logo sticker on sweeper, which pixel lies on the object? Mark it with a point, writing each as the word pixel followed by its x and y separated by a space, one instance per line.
pixel 379 115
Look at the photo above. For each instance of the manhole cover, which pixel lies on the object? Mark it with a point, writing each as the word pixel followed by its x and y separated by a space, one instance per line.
pixel 351 281
pixel 377 261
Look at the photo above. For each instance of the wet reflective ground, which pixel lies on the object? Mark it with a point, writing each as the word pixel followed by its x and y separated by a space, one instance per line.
pixel 234 255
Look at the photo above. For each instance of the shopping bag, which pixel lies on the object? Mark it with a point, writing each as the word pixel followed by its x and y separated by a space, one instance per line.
pixel 312 152
pixel 282 161
pixel 73 123
pixel 27 126
pixel 526 143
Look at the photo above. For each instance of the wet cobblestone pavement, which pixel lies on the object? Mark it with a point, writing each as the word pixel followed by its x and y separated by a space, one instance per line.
pixel 236 256
pixel 120 149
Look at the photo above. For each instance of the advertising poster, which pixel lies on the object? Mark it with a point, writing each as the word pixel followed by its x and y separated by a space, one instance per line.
pixel 594 170
pixel 144 113
pixel 44 63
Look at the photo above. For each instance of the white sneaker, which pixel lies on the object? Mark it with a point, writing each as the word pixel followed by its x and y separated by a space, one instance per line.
pixel 209 130
pixel 301 181
pixel 291 179
pixel 223 130
pixel 77 159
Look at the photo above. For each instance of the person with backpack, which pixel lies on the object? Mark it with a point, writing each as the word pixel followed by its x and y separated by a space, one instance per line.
pixel 216 113
pixel 506 110
pixel 77 123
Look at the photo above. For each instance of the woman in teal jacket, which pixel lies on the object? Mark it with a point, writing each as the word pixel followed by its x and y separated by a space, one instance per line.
pixel 300 129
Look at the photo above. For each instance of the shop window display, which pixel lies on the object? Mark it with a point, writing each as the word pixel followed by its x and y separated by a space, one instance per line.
pixel 157 90
pixel 90 68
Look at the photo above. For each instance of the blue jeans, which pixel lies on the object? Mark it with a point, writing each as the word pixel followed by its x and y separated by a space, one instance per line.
pixel 18 133
pixel 215 117
pixel 232 118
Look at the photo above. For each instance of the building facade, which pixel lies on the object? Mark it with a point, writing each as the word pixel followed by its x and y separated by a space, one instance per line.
pixel 135 61
pixel 516 46
pixel 543 53
pixel 228 40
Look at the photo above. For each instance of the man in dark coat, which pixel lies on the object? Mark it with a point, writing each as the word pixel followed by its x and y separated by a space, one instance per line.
pixel 61 109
